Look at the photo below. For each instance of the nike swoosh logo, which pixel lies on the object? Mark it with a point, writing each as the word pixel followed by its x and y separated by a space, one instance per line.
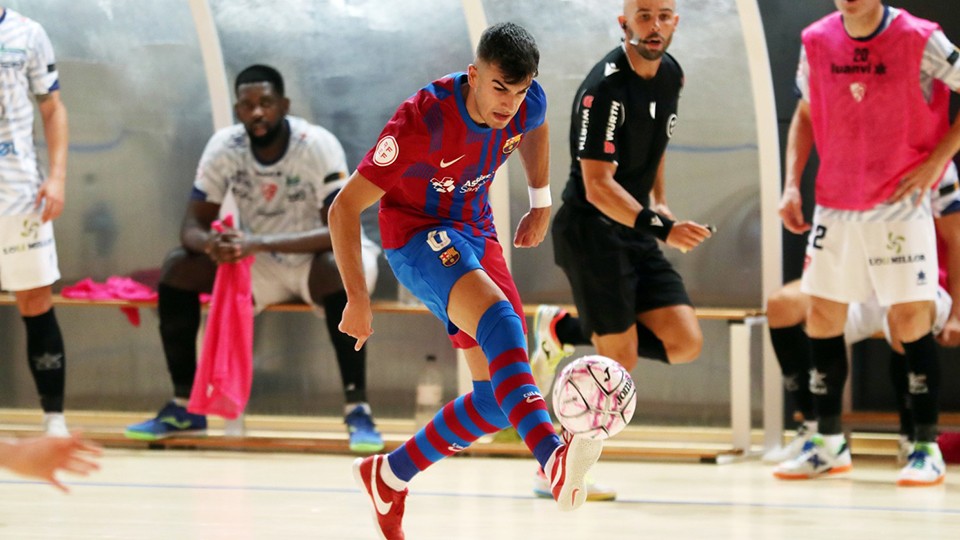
pixel 533 399
pixel 445 164
pixel 172 421
pixel 383 507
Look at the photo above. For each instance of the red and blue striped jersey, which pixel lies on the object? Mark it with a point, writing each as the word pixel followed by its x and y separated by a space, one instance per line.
pixel 436 164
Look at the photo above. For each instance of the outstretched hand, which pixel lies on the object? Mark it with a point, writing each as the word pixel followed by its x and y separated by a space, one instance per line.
pixel 42 457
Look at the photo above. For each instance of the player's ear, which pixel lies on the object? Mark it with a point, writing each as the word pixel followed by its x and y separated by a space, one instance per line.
pixel 473 74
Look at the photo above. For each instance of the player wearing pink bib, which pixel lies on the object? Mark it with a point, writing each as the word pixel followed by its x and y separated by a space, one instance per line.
pixel 874 84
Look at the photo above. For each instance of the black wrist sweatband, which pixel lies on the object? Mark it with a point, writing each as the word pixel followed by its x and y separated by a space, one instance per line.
pixel 650 222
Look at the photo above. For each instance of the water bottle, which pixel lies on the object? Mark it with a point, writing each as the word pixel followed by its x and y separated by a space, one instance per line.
pixel 429 392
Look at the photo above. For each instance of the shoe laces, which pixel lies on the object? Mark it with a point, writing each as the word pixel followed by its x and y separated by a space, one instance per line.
pixel 917 459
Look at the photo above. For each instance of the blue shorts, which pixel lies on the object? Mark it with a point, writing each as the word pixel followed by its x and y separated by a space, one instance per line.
pixel 432 261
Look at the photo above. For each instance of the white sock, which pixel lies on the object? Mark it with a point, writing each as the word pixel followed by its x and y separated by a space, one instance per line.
pixel 811 425
pixel 349 407
pixel 833 443
pixel 389 478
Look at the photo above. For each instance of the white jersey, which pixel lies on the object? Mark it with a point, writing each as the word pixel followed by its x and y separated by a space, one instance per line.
pixel 282 197
pixel 27 67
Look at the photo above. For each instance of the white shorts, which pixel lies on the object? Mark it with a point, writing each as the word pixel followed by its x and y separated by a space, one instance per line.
pixel 28 253
pixel 275 282
pixel 889 252
pixel 864 319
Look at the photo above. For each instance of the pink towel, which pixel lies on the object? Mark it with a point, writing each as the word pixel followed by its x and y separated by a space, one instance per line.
pixel 116 288
pixel 225 370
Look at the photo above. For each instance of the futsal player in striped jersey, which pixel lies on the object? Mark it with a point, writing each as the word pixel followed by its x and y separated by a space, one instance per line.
pixel 431 172
pixel 29 202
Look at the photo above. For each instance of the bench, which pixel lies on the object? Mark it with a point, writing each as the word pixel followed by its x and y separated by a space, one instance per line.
pixel 742 322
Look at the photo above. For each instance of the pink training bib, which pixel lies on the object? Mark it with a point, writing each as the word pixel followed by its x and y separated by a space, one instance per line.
pixel 871 120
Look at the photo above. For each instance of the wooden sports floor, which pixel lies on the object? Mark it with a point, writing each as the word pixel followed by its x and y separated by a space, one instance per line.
pixel 189 494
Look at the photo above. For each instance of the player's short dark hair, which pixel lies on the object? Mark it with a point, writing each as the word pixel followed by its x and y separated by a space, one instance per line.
pixel 259 73
pixel 512 49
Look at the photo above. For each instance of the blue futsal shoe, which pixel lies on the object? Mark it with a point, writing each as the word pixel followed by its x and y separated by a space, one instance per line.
pixel 172 420
pixel 364 437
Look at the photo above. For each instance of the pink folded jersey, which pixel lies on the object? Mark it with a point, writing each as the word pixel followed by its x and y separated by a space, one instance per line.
pixel 225 369
pixel 115 288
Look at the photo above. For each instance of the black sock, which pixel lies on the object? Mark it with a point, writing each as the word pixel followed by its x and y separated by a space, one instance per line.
pixel 179 312
pixel 898 378
pixel 792 347
pixel 569 331
pixel 827 379
pixel 353 363
pixel 46 358
pixel 923 363
pixel 649 345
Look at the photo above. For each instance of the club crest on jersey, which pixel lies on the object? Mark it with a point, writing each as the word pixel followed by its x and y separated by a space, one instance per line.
pixel 268 190
pixel 859 91
pixel 386 151
pixel 442 186
pixel 450 257
pixel 511 144
pixel 671 125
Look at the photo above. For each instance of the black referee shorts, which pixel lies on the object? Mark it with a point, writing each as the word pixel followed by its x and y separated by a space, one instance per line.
pixel 615 272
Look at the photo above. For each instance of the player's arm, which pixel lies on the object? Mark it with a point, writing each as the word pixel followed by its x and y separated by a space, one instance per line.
pixel 658 194
pixel 197 234
pixel 948 228
pixel 941 61
pixel 604 192
pixel 535 156
pixel 799 147
pixel 52 192
pixel 926 175
pixel 356 196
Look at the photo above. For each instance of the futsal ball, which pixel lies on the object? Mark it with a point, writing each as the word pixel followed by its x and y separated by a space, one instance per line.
pixel 594 397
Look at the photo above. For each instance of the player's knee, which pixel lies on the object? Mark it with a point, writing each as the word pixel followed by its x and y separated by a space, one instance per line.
pixel 324 276
pixel 784 309
pixel 686 350
pixel 909 322
pixel 188 271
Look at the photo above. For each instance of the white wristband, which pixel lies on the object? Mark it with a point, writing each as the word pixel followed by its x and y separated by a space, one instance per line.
pixel 539 197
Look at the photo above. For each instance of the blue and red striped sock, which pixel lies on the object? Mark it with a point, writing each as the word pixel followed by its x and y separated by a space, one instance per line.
pixel 457 425
pixel 500 335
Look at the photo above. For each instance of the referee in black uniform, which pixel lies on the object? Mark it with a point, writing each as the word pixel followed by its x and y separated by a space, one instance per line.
pixel 631 301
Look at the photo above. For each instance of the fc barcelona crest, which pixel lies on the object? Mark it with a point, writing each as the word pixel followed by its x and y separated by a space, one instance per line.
pixel 450 257
pixel 511 144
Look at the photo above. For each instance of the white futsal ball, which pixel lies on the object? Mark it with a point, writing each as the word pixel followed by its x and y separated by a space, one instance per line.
pixel 595 397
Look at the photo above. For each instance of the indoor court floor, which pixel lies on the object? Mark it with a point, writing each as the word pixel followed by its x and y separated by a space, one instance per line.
pixel 184 494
